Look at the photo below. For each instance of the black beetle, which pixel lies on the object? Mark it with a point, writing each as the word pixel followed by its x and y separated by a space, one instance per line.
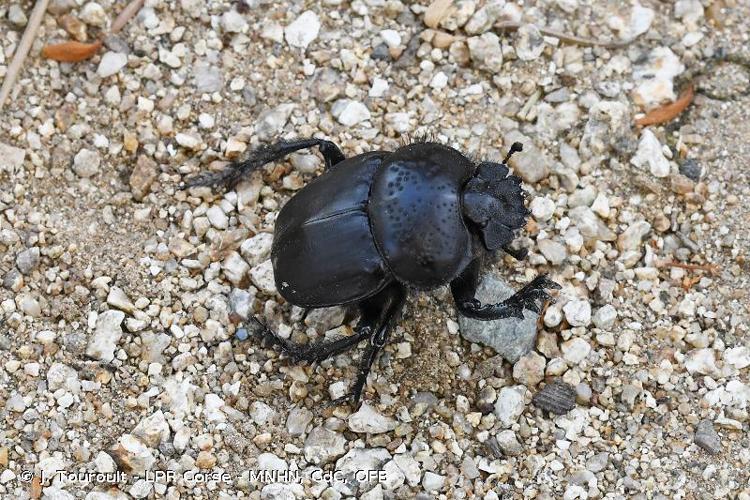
pixel 381 223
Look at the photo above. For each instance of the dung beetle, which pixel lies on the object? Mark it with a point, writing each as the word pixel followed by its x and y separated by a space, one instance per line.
pixel 377 225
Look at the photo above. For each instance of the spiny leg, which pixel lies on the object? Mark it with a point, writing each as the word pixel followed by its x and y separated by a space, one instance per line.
pixel 519 254
pixel 318 351
pixel 531 296
pixel 232 174
pixel 387 305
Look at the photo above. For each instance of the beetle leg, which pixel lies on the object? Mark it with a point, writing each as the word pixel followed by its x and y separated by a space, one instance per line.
pixel 532 296
pixel 516 254
pixel 318 351
pixel 390 302
pixel 233 173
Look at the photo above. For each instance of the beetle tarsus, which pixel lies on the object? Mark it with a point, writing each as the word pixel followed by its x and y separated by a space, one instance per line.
pixel 263 155
pixel 519 254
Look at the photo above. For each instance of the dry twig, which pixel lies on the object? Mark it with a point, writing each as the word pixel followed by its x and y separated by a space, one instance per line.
pixel 35 20
pixel 564 37
pixel 126 15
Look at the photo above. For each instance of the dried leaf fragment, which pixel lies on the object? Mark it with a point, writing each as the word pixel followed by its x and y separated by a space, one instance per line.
pixel 71 51
pixel 668 111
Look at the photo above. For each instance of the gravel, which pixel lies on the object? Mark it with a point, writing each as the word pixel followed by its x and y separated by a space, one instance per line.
pixel 125 340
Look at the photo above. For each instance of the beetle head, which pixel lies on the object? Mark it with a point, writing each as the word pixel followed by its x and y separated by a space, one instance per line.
pixel 494 202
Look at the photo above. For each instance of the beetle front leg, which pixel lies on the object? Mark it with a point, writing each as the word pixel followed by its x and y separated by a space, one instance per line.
pixel 532 296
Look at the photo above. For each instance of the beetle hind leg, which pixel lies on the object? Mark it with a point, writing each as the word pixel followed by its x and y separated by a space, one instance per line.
pixel 385 308
pixel 318 351
pixel 232 174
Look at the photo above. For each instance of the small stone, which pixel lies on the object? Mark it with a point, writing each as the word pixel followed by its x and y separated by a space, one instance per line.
pixel 589 225
pixel 12 158
pixel 378 88
pixel 510 337
pixel 297 421
pixel 510 404
pixel 143 176
pixel 707 438
pixel 262 277
pixel 391 38
pixel 233 22
pixel 272 121
pixel 690 168
pixel 118 298
pixel 432 481
pixel 650 153
pixel 349 112
pixel 60 376
pixel 93 14
pixel 257 249
pixel 654 78
pixel 205 460
pixel 542 209
pixel 356 460
pixel 605 317
pixel 508 443
pixel 303 30
pixel 529 370
pixel 132 455
pixel 217 217
pixel 17 16
pixel 577 312
pixel 140 489
pixel 325 318
pixel 554 252
pixel 241 304
pixel 702 361
pixel 188 140
pixel 153 429
pixel 323 446
pixel 86 163
pixel 556 397
pixel 103 342
pixel 235 269
pixel 111 63
pixel 436 12
pixel 575 350
pixel 485 17
pixel 368 420
pixel 598 462
pixel 530 43
pixel 207 78
pixel 531 165
pixel 269 461
pixel 27 260
pixel 485 52
pixel 739 357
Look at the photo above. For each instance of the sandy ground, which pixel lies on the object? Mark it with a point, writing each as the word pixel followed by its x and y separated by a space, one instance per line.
pixel 122 294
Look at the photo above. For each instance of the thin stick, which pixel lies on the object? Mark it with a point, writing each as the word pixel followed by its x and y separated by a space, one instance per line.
pixel 22 50
pixel 126 15
pixel 711 268
pixel 586 42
